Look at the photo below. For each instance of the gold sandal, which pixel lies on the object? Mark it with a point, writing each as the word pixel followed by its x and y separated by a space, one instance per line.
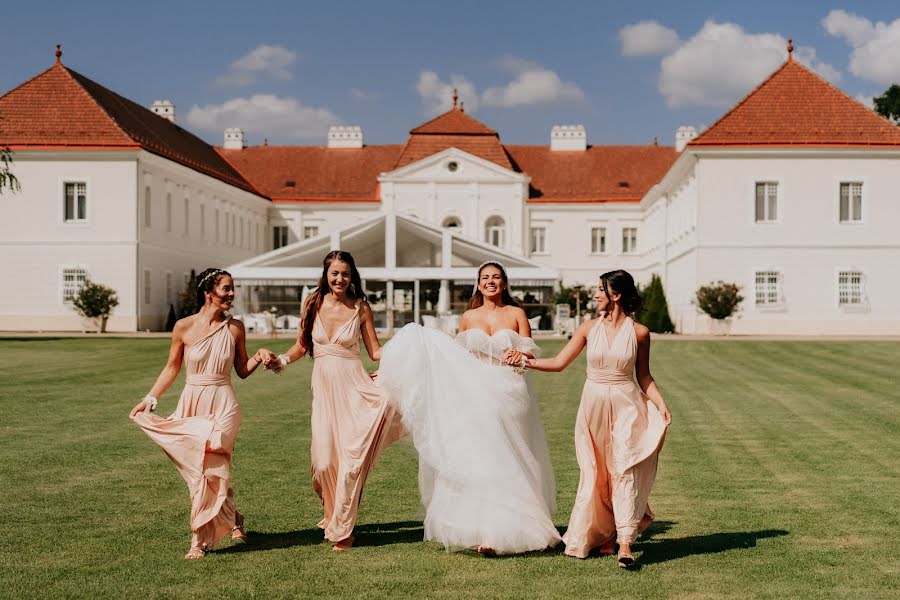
pixel 238 533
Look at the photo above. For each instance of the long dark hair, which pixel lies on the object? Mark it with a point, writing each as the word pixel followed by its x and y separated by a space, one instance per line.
pixel 314 300
pixel 478 298
pixel 622 283
pixel 206 282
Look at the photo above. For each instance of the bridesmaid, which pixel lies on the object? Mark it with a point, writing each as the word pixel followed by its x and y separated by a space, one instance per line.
pixel 351 420
pixel 620 427
pixel 199 436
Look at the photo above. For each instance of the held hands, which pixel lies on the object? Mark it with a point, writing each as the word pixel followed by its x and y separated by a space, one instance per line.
pixel 512 358
pixel 266 358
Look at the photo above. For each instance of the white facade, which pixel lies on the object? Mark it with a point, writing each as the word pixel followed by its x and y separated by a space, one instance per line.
pixel 115 243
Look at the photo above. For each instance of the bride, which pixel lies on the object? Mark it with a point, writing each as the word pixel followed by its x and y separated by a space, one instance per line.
pixel 484 467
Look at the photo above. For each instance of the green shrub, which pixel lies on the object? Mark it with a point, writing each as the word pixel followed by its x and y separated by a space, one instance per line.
pixel 655 315
pixel 95 301
pixel 719 300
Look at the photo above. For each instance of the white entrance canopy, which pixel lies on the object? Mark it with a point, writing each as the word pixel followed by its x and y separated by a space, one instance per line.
pixel 391 247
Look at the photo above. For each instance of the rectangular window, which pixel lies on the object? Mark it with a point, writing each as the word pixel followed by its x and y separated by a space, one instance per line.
pixel 598 240
pixel 170 288
pixel 538 240
pixel 187 217
pixel 148 207
pixel 766 201
pixel 629 240
pixel 202 221
pixel 72 281
pixel 75 202
pixel 767 285
pixel 147 277
pixel 169 212
pixel 851 202
pixel 279 236
pixel 310 231
pixel 850 288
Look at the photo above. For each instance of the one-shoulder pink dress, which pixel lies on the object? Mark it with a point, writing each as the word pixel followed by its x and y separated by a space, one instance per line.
pixel 351 424
pixel 618 435
pixel 199 436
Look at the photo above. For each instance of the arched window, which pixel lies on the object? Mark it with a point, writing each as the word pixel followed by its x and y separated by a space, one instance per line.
pixel 495 231
pixel 452 223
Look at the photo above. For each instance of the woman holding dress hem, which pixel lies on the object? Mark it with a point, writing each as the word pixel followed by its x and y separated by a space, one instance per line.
pixel 199 436
pixel 620 426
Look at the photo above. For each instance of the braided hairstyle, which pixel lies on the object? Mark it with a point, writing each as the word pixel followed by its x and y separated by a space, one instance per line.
pixel 206 282
pixel 622 283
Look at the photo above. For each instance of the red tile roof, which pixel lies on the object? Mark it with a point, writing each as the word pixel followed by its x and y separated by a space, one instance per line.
pixel 455 122
pixel 62 109
pixel 453 129
pixel 796 107
pixel 318 173
pixel 598 174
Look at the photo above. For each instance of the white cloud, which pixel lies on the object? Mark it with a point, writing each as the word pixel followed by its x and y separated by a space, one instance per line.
pixel 263 61
pixel 364 96
pixel 533 84
pixel 876 46
pixel 722 62
pixel 647 38
pixel 866 100
pixel 438 95
pixel 264 114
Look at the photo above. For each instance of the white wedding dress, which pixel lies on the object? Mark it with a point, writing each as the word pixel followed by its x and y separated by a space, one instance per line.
pixel 484 467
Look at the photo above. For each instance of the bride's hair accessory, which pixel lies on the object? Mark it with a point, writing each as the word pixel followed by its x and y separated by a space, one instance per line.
pixel 212 273
pixel 495 263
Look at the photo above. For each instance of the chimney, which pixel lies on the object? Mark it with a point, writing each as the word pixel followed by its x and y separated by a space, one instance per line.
pixel 568 137
pixel 345 136
pixel 683 135
pixel 164 108
pixel 234 138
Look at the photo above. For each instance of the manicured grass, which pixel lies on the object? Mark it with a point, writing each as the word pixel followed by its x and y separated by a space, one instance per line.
pixel 779 479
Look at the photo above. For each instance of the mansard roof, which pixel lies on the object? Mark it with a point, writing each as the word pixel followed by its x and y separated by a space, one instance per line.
pixel 61 109
pixel 796 107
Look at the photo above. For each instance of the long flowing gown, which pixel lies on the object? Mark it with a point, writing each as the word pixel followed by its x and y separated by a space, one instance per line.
pixel 618 435
pixel 351 424
pixel 484 468
pixel 199 436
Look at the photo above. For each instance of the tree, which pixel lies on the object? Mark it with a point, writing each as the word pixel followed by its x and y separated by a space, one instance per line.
pixel 7 178
pixel 656 310
pixel 187 300
pixel 888 104
pixel 719 300
pixel 573 296
pixel 95 301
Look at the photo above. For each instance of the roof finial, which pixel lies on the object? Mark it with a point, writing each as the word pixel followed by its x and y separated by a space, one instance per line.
pixel 455 97
pixel 58 53
pixel 790 49
pixel 462 106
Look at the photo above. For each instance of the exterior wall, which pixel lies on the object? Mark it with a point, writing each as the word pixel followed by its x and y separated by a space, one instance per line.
pixel 36 243
pixel 568 241
pixel 195 222
pixel 807 243
pixel 327 217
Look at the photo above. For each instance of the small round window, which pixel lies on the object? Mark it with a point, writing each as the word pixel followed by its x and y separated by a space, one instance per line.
pixel 452 166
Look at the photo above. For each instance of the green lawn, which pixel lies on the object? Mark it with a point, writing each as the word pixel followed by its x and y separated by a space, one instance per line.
pixel 780 478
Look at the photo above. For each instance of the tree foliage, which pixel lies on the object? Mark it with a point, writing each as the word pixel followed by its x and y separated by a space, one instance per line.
pixel 888 104
pixel 95 301
pixel 7 178
pixel 187 300
pixel 656 309
pixel 570 295
pixel 719 300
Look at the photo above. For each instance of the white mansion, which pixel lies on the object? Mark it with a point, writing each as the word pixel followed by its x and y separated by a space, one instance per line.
pixel 793 194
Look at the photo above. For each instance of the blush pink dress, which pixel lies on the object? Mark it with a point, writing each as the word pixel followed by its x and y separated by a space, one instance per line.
pixel 351 424
pixel 618 435
pixel 199 436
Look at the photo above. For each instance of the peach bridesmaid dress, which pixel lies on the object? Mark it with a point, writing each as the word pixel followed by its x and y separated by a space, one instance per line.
pixel 199 436
pixel 351 424
pixel 618 435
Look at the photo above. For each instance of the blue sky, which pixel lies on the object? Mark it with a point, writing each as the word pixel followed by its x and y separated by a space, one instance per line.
pixel 628 71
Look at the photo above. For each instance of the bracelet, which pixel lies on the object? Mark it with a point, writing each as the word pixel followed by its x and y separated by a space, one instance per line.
pixel 284 359
pixel 151 402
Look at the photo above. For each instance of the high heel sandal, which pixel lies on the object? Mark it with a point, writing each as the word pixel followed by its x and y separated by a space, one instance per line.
pixel 238 533
pixel 625 561
pixel 197 552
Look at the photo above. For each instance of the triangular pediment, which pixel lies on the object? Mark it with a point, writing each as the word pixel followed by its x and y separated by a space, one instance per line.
pixel 453 165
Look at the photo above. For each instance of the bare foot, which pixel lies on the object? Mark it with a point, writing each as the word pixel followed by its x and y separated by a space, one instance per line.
pixel 343 545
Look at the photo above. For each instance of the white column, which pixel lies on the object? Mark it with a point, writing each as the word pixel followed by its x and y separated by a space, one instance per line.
pixel 389 307
pixel 446 249
pixel 416 301
pixel 390 241
pixel 443 305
